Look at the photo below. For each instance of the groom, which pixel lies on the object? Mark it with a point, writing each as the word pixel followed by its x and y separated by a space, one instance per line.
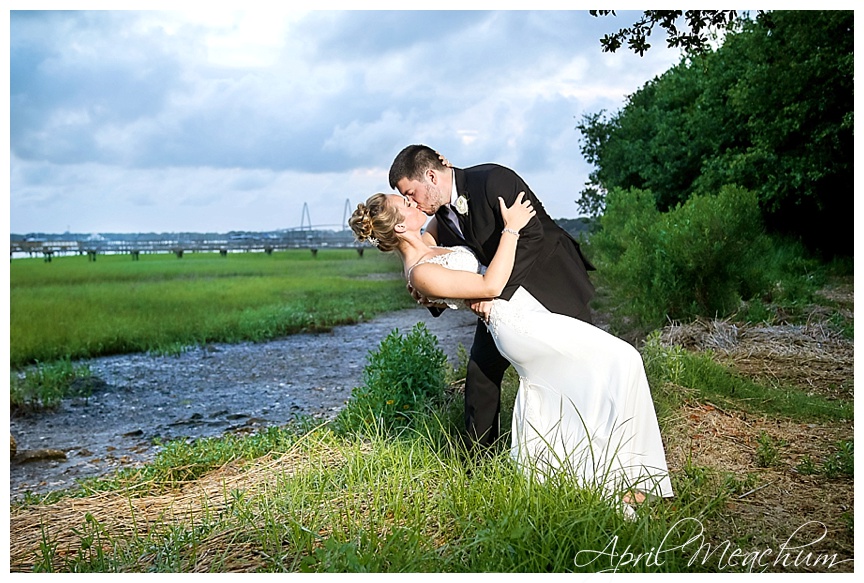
pixel 549 263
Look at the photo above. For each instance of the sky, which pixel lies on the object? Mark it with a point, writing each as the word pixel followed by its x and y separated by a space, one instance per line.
pixel 197 119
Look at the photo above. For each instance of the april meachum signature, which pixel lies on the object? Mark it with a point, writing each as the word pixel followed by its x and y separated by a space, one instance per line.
pixel 788 555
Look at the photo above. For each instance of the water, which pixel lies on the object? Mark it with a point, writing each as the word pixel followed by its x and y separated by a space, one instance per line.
pixel 205 392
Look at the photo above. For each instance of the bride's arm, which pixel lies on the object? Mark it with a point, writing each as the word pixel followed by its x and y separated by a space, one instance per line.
pixel 439 282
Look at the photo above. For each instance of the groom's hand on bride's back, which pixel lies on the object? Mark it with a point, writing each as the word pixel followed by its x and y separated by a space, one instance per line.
pixel 434 309
pixel 419 297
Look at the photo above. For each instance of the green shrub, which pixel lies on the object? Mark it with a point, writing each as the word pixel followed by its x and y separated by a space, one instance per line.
pixel 699 259
pixel 404 377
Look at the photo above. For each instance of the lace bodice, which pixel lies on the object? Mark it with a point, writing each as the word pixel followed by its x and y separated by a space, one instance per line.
pixel 509 313
pixel 458 259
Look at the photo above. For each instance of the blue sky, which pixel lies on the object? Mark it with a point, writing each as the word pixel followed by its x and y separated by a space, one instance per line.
pixel 214 120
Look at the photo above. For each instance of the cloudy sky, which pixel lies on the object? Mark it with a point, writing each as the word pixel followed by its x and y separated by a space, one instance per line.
pixel 209 120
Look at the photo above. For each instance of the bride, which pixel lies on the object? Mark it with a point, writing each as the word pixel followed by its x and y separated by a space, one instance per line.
pixel 584 405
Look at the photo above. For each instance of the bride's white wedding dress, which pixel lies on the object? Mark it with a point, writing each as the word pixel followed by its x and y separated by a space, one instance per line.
pixel 584 405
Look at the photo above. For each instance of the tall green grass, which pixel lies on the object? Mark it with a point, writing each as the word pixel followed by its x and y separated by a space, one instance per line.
pixel 73 308
pixel 387 503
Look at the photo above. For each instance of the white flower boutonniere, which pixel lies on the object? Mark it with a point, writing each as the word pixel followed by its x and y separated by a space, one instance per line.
pixel 462 205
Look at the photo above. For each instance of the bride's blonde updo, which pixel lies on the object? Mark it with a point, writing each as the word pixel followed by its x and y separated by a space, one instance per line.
pixel 375 221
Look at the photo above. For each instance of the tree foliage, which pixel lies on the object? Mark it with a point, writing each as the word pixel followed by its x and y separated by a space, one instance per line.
pixel 693 38
pixel 771 110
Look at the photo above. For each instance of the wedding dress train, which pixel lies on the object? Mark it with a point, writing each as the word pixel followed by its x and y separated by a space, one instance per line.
pixel 583 405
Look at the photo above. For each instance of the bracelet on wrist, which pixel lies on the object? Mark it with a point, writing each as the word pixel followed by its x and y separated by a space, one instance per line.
pixel 511 231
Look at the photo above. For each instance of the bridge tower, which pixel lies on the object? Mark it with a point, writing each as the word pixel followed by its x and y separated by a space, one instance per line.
pixel 346 213
pixel 305 216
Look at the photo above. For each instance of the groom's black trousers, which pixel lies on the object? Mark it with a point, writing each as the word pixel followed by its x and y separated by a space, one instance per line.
pixel 486 369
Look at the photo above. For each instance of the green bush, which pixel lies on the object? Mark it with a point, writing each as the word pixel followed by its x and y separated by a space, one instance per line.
pixel 404 377
pixel 699 259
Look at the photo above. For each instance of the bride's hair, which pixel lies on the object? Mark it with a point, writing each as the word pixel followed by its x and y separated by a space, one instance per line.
pixel 375 222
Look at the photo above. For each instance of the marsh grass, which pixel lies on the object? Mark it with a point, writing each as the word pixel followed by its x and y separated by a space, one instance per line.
pixel 321 501
pixel 72 308
pixel 45 384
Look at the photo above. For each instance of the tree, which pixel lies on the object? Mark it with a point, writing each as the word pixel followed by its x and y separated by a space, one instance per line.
pixel 694 39
pixel 770 110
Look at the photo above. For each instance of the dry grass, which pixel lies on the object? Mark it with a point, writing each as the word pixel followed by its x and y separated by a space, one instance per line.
pixel 781 499
pixel 811 357
pixel 121 516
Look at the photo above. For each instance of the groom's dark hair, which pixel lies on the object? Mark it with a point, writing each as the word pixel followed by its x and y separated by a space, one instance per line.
pixel 412 162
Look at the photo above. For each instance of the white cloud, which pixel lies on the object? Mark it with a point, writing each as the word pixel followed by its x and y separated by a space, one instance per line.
pixel 227 120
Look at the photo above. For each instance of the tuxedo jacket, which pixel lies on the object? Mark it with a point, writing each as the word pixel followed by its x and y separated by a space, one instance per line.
pixel 549 263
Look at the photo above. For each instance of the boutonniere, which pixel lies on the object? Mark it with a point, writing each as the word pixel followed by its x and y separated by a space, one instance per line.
pixel 462 204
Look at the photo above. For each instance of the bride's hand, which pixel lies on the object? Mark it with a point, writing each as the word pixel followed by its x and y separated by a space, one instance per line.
pixel 518 215
pixel 444 160
pixel 481 308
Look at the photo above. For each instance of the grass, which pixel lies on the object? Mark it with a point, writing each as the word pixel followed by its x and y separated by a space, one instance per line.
pixel 45 384
pixel 750 462
pixel 324 502
pixel 71 308
pixel 722 385
pixel 324 498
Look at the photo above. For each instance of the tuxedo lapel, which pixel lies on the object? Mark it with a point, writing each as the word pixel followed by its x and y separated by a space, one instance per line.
pixel 466 222
pixel 463 222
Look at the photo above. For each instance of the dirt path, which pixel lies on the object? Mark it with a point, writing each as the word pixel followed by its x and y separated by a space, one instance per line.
pixel 206 392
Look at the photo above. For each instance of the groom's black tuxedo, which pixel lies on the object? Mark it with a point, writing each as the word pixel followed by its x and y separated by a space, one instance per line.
pixel 549 265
